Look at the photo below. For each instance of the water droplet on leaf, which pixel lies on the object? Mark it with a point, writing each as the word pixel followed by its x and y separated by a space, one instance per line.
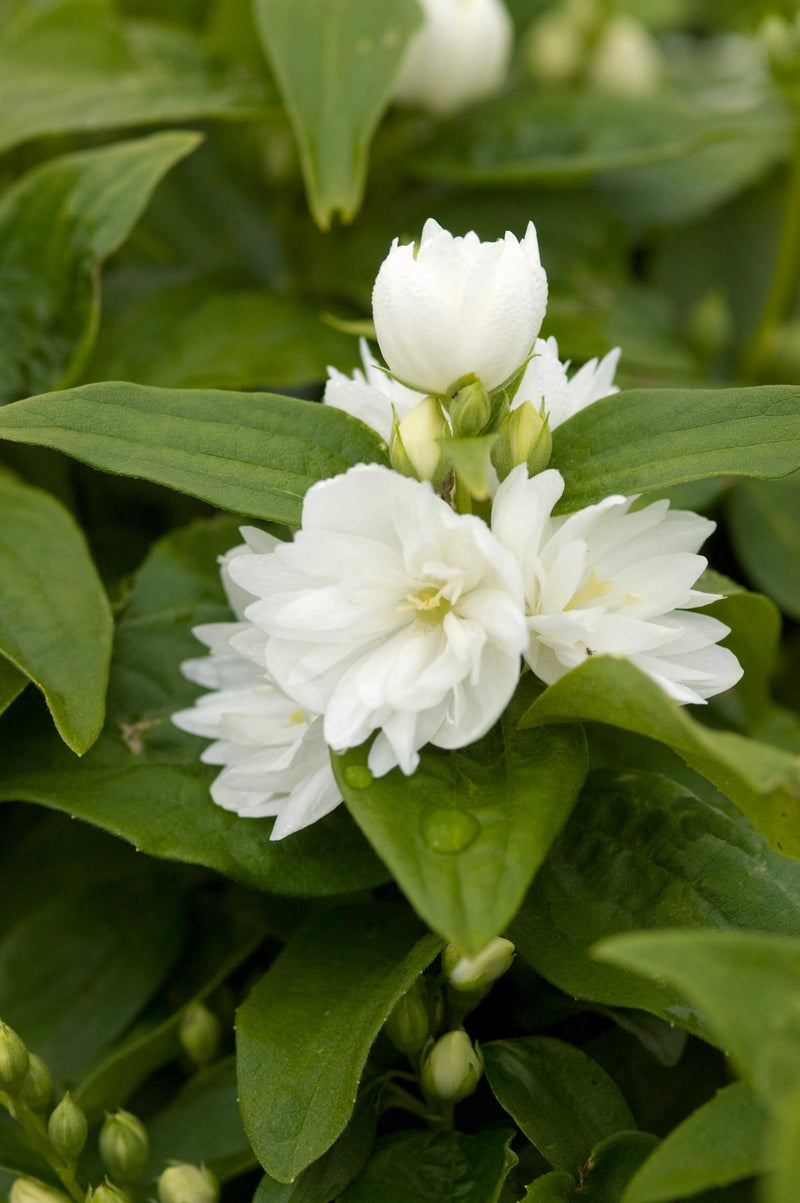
pixel 358 775
pixel 449 829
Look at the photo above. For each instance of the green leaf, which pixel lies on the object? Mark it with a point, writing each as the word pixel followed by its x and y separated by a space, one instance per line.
pixel 640 851
pixel 73 65
pixel 335 62
pixel 304 1033
pixel 755 624
pixel 650 439
pixel 722 1142
pixel 761 780
pixel 77 970
pixel 12 683
pixel 556 1187
pixel 764 521
pixel 57 225
pixel 55 620
pixel 18 1158
pixel 466 832
pixel 435 1167
pixel 561 1099
pixel 251 453
pixel 202 1125
pixel 143 780
pixel 612 1164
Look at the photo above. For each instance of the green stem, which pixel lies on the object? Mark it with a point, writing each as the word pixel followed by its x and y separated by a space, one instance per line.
pixel 785 278
pixel 397 1096
pixel 36 1130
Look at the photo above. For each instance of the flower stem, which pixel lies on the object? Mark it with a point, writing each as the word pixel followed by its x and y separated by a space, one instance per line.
pixel 785 278
pixel 36 1130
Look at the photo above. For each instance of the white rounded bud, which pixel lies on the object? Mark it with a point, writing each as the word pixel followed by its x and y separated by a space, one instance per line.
pixel 124 1146
pixel 452 1069
pixel 414 450
pixel 184 1183
pixel 28 1190
pixel 626 60
pixel 478 972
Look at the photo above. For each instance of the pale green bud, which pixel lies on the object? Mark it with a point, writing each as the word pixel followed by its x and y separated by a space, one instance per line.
pixel 627 59
pixel 124 1146
pixel 478 972
pixel 452 1068
pixel 184 1183
pixel 200 1033
pixel 554 48
pixel 523 438
pixel 37 1089
pixel 28 1190
pixel 710 323
pixel 783 359
pixel 107 1192
pixel 68 1129
pixel 779 38
pixel 414 450
pixel 470 408
pixel 408 1026
pixel 14 1060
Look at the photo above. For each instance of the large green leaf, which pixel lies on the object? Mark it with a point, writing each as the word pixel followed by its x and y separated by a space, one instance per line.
pixel 754 639
pixel 12 683
pixel 764 520
pixel 722 1142
pixel 304 1033
pixel 466 832
pixel 143 780
pixel 57 225
pixel 76 971
pixel 763 781
pixel 561 1099
pixel 55 620
pixel 648 440
pixel 251 453
pixel 73 65
pixel 435 1167
pixel 335 62
pixel 640 851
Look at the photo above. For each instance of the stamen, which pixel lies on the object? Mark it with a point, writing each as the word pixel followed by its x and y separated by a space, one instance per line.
pixel 591 591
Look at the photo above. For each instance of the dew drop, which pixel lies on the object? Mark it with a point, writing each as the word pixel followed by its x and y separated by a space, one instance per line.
pixel 358 775
pixel 449 829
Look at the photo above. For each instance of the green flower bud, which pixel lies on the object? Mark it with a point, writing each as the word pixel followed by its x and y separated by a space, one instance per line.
pixel 452 1068
pixel 68 1129
pixel 184 1183
pixel 554 48
pixel 408 1026
pixel 523 438
pixel 414 450
pixel 14 1060
pixel 200 1033
pixel 37 1089
pixel 107 1192
pixel 470 408
pixel 710 324
pixel 124 1146
pixel 478 972
pixel 28 1190
pixel 779 39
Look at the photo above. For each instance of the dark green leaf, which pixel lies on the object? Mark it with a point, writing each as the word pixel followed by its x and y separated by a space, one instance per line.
pixel 304 1033
pixel 561 1099
pixel 12 683
pixel 612 1164
pixel 251 453
pixel 57 225
pixel 557 1187
pixel 335 62
pixel 143 780
pixel 764 520
pixel 647 440
pixel 55 620
pixel 763 781
pixel 74 65
pixel 640 851
pixel 76 971
pixel 755 624
pixel 17 1156
pixel 435 1167
pixel 466 832
pixel 722 1142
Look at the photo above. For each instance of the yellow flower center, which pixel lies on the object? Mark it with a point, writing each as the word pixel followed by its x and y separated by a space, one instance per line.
pixel 592 590
pixel 298 717
pixel 429 605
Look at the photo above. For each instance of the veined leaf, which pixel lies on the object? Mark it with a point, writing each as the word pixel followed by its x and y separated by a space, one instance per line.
pixel 435 1167
pixel 764 520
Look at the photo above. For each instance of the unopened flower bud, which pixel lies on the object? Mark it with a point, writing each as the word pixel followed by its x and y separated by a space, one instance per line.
pixel 14 1060
pixel 414 450
pixel 124 1146
pixel 107 1192
pixel 524 438
pixel 199 1033
pixel 554 48
pixel 470 407
pixel 710 324
pixel 68 1129
pixel 779 38
pixel 28 1190
pixel 408 1026
pixel 37 1089
pixel 452 1068
pixel 626 60
pixel 478 972
pixel 184 1183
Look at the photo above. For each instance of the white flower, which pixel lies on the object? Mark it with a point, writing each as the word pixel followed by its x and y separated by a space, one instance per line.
pixel 545 382
pixel 371 395
pixel 389 613
pixel 460 54
pixel 607 581
pixel 450 307
pixel 276 760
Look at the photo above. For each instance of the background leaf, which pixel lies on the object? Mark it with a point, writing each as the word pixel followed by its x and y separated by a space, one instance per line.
pixel 335 62
pixel 764 520
pixel 304 1033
